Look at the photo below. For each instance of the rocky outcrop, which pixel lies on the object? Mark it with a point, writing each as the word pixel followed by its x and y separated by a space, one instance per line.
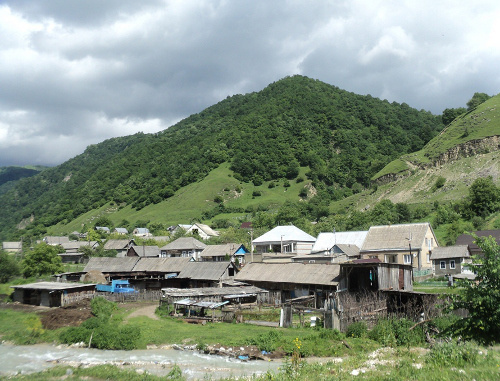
pixel 467 149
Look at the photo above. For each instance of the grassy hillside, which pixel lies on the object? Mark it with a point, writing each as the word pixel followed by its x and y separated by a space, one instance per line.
pixel 188 204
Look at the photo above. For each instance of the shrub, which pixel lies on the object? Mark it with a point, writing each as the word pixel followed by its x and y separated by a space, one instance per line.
pixel 383 333
pixel 267 342
pixel 396 332
pixel 256 193
pixel 453 354
pixel 357 329
pixel 102 308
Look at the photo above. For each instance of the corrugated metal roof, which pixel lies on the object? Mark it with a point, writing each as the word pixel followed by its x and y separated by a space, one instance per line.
pixel 458 251
pixel 299 273
pixel 197 292
pixel 12 245
pixel 52 286
pixel 285 234
pixel 55 240
pixel 204 270
pixel 108 265
pixel 395 236
pixel 220 250
pixel 184 243
pixel 326 241
pixel 206 229
pixel 166 265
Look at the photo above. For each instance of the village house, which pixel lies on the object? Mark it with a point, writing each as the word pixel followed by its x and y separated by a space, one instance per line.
pixel 55 240
pixel 141 232
pixel 468 239
pixel 103 229
pixel 12 247
pixel 120 245
pixel 207 274
pixel 281 244
pixel 409 244
pixel 183 247
pixel 224 252
pixel 452 260
pixel 143 251
pixel 203 231
pixel 72 251
pixel 121 231
pixel 334 247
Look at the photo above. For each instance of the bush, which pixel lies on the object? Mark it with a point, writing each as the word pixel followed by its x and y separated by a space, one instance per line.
pixel 268 341
pixel 396 332
pixel 357 329
pixel 453 354
pixel 102 308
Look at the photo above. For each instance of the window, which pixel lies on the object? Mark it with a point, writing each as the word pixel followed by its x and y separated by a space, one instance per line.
pixel 442 265
pixel 452 264
pixel 428 258
pixel 407 259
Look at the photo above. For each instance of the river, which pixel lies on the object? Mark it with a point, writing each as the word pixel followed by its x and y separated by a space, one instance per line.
pixel 34 358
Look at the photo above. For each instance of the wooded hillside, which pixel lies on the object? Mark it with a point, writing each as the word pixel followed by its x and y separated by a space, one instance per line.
pixel 343 138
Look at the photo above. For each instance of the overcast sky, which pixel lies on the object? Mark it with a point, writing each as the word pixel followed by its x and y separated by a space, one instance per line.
pixel 73 73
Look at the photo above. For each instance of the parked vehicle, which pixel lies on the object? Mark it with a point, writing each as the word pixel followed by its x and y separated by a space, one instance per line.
pixel 116 286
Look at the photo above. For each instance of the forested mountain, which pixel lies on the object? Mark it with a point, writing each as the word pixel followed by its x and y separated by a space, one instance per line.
pixel 344 139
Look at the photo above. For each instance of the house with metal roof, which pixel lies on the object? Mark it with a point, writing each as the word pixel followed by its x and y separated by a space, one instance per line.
pixel 203 231
pixel 141 232
pixel 410 244
pixel 224 252
pixel 122 231
pixel 183 247
pixel 103 229
pixel 334 247
pixel 452 260
pixel 282 243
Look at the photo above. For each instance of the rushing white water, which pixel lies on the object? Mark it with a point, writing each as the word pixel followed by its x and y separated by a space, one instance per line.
pixel 34 358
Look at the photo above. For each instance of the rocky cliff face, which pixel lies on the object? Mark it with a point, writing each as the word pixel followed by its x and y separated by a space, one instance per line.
pixel 467 149
pixel 470 148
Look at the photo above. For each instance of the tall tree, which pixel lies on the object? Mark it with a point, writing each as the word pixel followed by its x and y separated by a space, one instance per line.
pixel 476 100
pixel 42 260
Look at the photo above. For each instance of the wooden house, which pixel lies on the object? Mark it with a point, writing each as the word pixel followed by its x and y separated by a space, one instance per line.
pixel 286 281
pixel 206 274
pixel 48 294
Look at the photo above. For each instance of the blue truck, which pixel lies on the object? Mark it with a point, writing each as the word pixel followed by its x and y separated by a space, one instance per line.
pixel 116 286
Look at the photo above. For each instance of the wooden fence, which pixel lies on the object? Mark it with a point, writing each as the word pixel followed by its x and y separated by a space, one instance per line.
pixel 142 296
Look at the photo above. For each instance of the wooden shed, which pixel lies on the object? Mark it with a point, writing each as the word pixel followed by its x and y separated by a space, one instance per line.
pixel 48 294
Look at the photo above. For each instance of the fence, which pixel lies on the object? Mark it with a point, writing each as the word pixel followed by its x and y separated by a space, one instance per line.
pixel 142 296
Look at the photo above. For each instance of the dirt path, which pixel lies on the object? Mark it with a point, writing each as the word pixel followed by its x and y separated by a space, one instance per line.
pixel 148 311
